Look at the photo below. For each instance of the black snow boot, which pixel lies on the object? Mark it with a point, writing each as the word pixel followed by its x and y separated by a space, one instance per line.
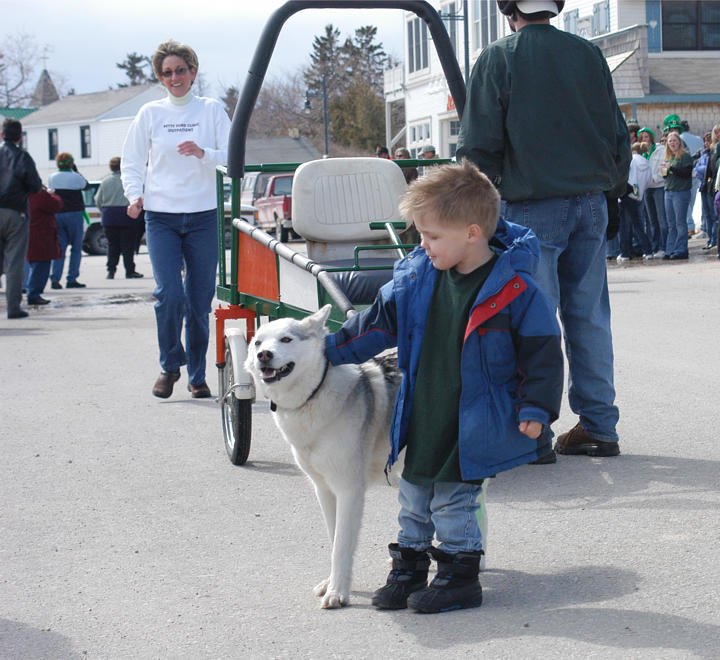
pixel 455 586
pixel 409 573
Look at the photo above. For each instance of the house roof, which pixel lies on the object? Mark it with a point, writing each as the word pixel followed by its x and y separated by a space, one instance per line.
pixel 86 106
pixel 45 91
pixel 259 151
pixel 16 113
pixel 683 75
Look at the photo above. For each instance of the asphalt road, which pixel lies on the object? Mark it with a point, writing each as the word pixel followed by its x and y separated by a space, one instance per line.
pixel 126 533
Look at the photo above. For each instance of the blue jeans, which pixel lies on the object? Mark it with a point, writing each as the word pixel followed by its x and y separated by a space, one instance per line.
pixel 573 276
pixel 631 226
pixel 37 279
pixel 448 510
pixel 174 239
pixel 710 219
pixel 676 204
pixel 70 232
pixel 655 207
pixel 691 204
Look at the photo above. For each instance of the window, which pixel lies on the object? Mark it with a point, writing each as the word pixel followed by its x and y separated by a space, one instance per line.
pixel 417 45
pixel 454 128
pixel 690 25
pixel 52 143
pixel 484 23
pixel 419 137
pixel 570 20
pixel 85 142
pixel 601 18
pixel 450 12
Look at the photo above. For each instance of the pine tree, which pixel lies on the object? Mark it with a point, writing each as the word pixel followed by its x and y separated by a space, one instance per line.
pixel 134 66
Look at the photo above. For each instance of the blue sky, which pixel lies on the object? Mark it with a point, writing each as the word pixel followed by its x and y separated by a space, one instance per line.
pixel 87 38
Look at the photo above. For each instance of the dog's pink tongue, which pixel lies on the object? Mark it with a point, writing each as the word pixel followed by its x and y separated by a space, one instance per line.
pixel 268 372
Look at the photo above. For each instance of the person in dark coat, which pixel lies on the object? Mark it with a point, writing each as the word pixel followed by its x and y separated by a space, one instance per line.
pixel 121 230
pixel 44 245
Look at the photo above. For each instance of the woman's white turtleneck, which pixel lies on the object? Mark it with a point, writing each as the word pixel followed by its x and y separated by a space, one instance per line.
pixel 180 100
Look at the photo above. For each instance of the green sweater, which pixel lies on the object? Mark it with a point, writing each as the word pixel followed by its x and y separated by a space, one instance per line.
pixel 679 176
pixel 541 118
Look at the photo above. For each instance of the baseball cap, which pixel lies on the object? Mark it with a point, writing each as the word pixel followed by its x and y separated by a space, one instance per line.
pixel 535 6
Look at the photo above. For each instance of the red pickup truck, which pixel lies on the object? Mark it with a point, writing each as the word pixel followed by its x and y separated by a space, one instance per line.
pixel 275 206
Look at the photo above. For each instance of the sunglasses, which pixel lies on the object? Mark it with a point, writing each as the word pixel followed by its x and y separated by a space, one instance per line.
pixel 180 71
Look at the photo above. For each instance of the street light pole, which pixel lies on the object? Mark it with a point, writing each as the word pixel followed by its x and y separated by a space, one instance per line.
pixel 308 95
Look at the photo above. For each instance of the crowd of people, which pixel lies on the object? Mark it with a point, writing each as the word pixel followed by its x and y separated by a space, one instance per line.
pixel 656 209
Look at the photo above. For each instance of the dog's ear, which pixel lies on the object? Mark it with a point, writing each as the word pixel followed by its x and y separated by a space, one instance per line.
pixel 316 322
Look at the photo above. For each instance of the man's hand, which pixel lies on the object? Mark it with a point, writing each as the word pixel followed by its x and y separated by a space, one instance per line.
pixel 531 429
pixel 135 208
pixel 613 216
pixel 189 148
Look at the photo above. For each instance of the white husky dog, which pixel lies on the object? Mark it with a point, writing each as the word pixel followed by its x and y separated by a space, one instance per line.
pixel 337 421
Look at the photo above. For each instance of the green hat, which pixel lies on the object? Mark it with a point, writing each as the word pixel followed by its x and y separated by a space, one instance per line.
pixel 672 122
pixel 645 129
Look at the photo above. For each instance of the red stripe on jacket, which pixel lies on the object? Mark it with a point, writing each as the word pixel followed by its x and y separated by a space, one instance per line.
pixel 494 304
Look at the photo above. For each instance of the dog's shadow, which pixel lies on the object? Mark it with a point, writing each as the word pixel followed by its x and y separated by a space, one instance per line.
pixel 275 467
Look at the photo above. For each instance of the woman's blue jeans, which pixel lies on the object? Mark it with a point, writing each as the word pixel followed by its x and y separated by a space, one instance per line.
pixel 676 206
pixel 631 226
pixel 710 219
pixel 70 232
pixel 655 207
pixel 174 240
pixel 446 510
pixel 573 275
pixel 37 279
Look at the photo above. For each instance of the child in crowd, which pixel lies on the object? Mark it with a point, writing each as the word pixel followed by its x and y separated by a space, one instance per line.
pixel 631 212
pixel 43 245
pixel 479 349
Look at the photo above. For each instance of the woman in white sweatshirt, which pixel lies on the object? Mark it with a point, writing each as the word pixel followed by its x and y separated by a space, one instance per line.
pixel 168 168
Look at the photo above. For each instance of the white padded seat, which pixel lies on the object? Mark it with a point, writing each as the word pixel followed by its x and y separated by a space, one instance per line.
pixel 335 199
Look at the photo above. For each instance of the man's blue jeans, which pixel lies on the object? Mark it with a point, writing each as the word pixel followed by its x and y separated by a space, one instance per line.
pixel 70 232
pixel 655 207
pixel 448 510
pixel 174 239
pixel 573 276
pixel 676 205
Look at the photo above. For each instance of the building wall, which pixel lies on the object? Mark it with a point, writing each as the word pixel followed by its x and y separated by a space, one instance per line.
pixel 700 116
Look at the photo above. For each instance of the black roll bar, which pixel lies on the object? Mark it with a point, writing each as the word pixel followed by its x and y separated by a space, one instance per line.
pixel 268 39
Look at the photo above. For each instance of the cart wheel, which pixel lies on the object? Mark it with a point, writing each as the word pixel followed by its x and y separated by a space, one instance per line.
pixel 236 416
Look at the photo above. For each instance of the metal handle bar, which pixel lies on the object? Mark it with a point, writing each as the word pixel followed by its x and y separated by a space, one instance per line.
pixel 328 283
pixel 268 39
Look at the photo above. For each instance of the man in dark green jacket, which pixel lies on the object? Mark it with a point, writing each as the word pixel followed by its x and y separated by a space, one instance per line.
pixel 541 120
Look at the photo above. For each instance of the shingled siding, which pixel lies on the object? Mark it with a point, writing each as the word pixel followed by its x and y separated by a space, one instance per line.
pixel 701 116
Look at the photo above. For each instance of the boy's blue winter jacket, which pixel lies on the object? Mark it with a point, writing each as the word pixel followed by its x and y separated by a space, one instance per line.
pixel 512 364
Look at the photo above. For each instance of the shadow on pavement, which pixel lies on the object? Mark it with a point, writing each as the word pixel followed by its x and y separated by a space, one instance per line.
pixel 19 640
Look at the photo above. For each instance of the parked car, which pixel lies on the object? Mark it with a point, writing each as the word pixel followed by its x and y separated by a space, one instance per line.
pixel 275 206
pixel 94 240
pixel 254 185
pixel 247 212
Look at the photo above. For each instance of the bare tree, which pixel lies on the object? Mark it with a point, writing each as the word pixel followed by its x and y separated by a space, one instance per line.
pixel 20 56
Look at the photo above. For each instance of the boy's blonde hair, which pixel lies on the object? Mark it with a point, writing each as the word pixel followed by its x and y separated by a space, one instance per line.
pixel 454 194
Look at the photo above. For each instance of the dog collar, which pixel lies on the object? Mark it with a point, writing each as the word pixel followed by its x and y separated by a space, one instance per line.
pixel 273 405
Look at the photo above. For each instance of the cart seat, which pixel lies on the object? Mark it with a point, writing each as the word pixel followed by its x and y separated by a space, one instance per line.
pixel 334 202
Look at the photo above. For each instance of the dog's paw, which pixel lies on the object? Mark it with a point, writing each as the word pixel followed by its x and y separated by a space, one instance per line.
pixel 332 600
pixel 321 587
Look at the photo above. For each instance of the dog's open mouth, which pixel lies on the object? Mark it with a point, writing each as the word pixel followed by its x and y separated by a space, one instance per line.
pixel 274 375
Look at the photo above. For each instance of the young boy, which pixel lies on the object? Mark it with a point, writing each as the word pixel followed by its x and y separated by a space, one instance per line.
pixel 479 349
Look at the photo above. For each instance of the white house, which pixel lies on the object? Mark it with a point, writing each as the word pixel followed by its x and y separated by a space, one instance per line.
pixel 664 57
pixel 91 127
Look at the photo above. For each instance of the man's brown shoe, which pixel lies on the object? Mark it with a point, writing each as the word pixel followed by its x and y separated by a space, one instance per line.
pixel 578 441
pixel 201 391
pixel 164 384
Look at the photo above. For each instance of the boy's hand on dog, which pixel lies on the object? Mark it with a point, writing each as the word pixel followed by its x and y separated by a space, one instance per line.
pixel 530 429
